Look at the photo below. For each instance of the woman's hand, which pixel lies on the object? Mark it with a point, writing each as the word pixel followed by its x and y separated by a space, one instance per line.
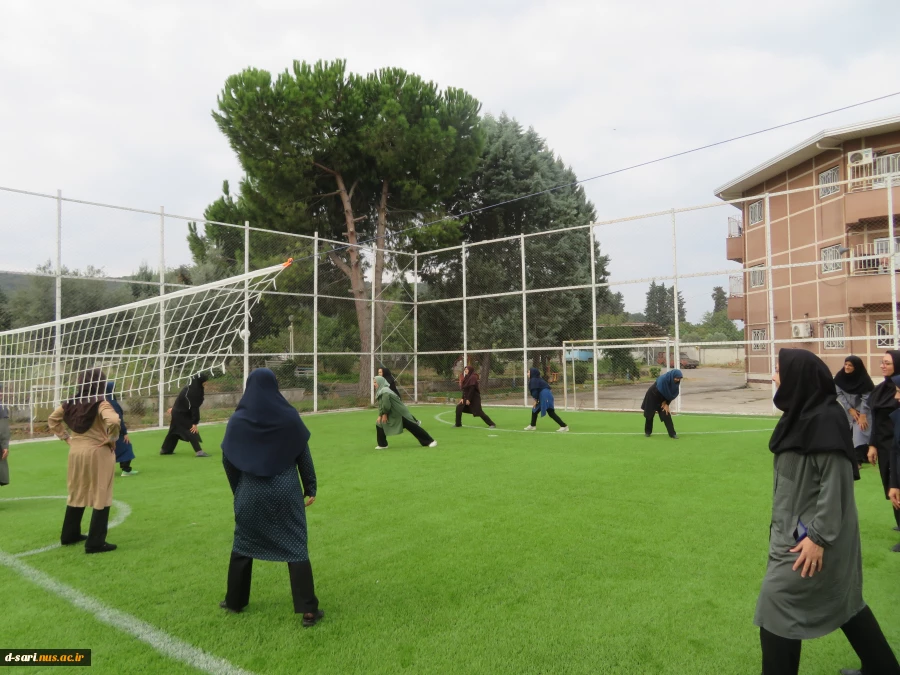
pixel 872 455
pixel 459 402
pixel 310 500
pixel 169 411
pixel 193 428
pixel 862 421
pixel 894 496
pixel 127 440
pixel 4 454
pixel 854 414
pixel 468 403
pixel 810 557
pixel 665 408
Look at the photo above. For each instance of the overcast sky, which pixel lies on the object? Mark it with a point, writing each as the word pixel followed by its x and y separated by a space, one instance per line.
pixel 110 102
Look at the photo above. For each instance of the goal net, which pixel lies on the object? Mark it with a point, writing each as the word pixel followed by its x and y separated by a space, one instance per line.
pixel 613 374
pixel 145 346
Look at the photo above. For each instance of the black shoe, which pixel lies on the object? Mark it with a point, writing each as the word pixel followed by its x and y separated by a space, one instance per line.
pixel 458 426
pixel 674 438
pixel 166 452
pixel 897 529
pixel 896 548
pixel 228 609
pixel 310 619
pixel 850 671
pixel 101 549
pixel 81 538
pixel 648 435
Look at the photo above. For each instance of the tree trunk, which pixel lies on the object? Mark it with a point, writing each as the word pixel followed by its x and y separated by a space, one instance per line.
pixel 485 375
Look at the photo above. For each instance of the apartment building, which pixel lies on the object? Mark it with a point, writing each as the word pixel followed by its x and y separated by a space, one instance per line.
pixel 828 217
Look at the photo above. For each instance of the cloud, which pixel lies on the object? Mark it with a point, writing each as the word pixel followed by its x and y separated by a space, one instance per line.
pixel 111 102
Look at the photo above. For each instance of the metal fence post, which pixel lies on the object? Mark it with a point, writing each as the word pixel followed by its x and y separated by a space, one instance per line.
pixel 593 315
pixel 893 250
pixel 465 317
pixel 771 296
pixel 246 332
pixel 316 322
pixel 162 316
pixel 372 367
pixel 677 355
pixel 416 326
pixel 524 325
pixel 57 359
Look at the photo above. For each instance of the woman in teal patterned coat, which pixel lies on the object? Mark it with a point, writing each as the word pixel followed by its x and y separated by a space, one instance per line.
pixel 266 444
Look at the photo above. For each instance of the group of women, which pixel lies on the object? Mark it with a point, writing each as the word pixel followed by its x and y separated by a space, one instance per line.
pixel 813 580
pixel 873 414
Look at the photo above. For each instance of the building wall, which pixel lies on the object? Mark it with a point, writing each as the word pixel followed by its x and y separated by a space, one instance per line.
pixel 802 224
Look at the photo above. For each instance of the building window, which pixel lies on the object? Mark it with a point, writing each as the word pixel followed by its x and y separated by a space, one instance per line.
pixel 758 339
pixel 831 259
pixel 756 212
pixel 834 336
pixel 826 178
pixel 757 277
pixel 884 334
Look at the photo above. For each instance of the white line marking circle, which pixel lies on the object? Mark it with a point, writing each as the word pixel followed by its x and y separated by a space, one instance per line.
pixel 122 512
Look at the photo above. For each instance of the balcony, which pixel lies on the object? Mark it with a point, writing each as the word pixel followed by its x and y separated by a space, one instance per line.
pixel 734 244
pixel 736 297
pixel 864 199
pixel 870 268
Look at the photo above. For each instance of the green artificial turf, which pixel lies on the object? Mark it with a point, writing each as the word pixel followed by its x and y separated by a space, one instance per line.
pixel 499 551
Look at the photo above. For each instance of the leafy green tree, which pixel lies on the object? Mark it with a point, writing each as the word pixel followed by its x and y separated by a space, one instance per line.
pixel 659 309
pixel 5 316
pixel 720 300
pixel 350 156
pixel 517 162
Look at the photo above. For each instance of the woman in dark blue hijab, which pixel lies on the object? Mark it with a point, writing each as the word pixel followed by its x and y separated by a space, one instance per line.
pixel 124 451
pixel 265 445
pixel 657 399
pixel 543 401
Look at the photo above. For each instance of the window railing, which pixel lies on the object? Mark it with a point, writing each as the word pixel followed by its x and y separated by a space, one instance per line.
pixel 736 285
pixel 735 227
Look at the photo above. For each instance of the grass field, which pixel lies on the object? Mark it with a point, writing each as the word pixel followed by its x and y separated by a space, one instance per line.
pixel 597 551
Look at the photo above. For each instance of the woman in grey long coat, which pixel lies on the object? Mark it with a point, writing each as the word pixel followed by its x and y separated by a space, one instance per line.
pixel 854 386
pixel 813 582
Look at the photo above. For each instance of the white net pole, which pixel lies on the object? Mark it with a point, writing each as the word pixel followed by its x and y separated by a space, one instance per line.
pixel 144 346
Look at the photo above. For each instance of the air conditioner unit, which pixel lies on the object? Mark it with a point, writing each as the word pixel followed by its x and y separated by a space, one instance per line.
pixel 801 330
pixel 858 157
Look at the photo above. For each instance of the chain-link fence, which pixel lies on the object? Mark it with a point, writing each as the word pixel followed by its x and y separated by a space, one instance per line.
pixel 601 309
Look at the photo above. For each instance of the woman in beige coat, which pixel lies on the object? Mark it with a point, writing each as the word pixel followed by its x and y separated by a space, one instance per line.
pixel 94 426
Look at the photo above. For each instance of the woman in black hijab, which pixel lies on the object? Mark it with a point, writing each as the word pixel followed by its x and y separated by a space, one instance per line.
pixel 185 418
pixel 265 445
pixel 881 440
pixel 813 582
pixel 853 386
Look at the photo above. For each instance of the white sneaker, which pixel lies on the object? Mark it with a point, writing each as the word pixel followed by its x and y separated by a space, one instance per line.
pixel 433 444
pixel 563 430
pixel 530 428
pixel 381 447
pixel 133 472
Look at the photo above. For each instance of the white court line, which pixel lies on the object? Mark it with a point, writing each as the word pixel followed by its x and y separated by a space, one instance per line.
pixel 165 644
pixel 439 418
pixel 122 512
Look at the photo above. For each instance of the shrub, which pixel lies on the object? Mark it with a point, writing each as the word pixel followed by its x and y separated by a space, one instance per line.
pixel 655 371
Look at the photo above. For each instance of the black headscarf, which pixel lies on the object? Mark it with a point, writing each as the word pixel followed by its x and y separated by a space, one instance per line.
pixel 195 394
pixel 80 412
pixel 857 382
pixel 813 420
pixel 882 397
pixel 265 435
pixel 392 382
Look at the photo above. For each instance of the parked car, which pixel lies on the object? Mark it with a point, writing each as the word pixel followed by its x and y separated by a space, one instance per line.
pixel 686 363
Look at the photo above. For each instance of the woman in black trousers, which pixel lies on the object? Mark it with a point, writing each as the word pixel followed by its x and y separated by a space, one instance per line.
pixel 471 399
